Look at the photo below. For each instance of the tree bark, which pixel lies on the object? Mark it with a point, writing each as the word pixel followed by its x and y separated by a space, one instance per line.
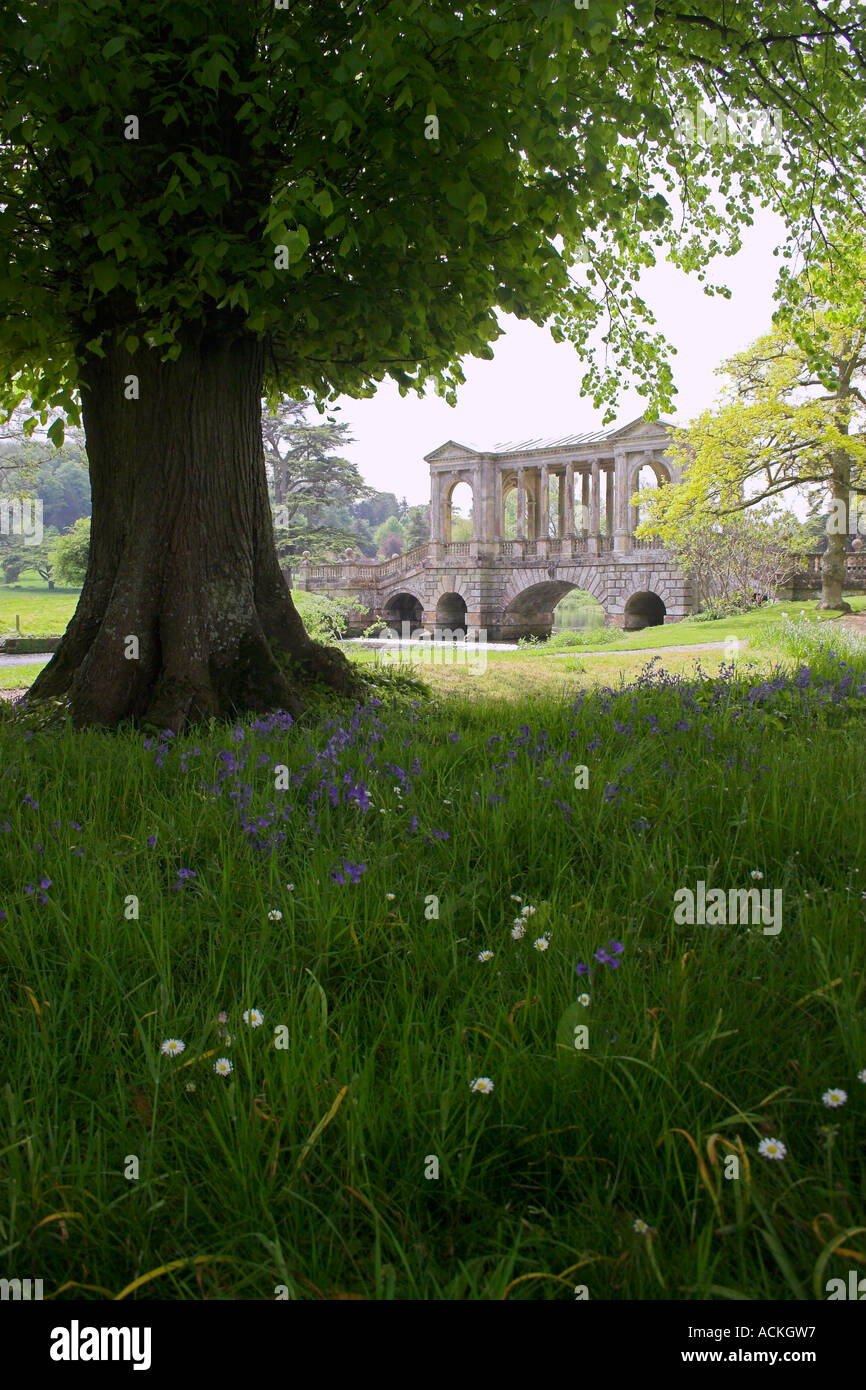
pixel 184 614
pixel 833 564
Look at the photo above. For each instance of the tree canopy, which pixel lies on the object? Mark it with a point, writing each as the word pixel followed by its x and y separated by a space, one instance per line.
pixel 207 201
pixel 791 417
pixel 365 186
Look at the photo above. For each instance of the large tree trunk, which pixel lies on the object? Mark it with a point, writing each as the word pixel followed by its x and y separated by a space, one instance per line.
pixel 833 564
pixel 182 552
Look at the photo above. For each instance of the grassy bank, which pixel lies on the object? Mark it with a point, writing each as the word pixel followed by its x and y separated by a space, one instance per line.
pixel 149 887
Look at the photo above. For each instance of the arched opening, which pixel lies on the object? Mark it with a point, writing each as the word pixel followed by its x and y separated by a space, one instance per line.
pixel 531 613
pixel 509 510
pixel 578 611
pixel 555 518
pixel 403 608
pixel 451 614
pixel 643 610
pixel 458 513
pixel 647 478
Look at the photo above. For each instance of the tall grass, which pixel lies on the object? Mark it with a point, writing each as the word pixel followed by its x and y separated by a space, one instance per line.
pixel 806 640
pixel 356 1159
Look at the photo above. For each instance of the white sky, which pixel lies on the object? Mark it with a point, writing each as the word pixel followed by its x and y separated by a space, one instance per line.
pixel 530 388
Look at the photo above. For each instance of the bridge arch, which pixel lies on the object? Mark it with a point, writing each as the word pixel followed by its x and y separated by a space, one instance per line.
pixel 639 482
pixel 451 611
pixel 529 600
pixel 403 606
pixel 449 487
pixel 643 608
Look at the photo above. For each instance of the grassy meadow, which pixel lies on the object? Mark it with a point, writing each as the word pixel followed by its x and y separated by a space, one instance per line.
pixel 295 1010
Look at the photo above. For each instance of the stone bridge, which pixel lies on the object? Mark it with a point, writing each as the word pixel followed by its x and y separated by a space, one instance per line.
pixel 575 524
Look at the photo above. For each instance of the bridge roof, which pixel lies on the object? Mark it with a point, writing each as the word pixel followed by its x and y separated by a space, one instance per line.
pixel 570 441
pixel 639 431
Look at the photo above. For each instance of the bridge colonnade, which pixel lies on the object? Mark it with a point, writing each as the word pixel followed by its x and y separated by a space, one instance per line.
pixel 575 530
pixel 592 513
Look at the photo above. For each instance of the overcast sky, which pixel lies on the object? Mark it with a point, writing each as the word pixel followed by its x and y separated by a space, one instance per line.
pixel 530 388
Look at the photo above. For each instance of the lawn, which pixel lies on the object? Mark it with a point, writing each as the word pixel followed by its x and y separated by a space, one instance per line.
pixel 41 612
pixel 691 631
pixel 304 909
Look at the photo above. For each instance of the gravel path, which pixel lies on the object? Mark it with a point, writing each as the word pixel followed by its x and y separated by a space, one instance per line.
pixel 23 658
pixel 653 651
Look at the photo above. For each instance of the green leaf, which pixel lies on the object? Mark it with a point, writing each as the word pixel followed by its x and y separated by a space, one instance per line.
pixel 114 46
pixel 477 209
pixel 56 433
pixel 105 276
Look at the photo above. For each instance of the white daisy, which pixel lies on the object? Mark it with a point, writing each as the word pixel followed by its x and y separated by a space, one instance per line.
pixel 583 999
pixel 190 1086
pixel 640 1227
pixel 485 955
pixel 541 943
pixel 516 898
pixel 173 1047
pixel 861 1076
pixel 254 1017
pixel 834 1097
pixel 390 897
pixel 527 911
pixel 481 1083
pixel 518 931
pixel 772 1148
pixel 290 887
pixel 275 915
pixel 756 873
pixel 222 1066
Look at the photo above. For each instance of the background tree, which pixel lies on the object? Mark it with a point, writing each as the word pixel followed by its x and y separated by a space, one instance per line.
pixel 16 558
pixel 417 526
pixel 739 561
pixel 378 507
pixel 70 553
pixel 309 482
pixel 207 202
pixel 390 537
pixel 782 427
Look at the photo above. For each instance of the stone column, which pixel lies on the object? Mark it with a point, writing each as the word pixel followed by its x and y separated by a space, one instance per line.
pixel 634 512
pixel 608 506
pixel 521 504
pixel 477 505
pixel 435 527
pixel 498 518
pixel 541 520
pixel 568 511
pixel 621 539
pixel 435 516
pixel 595 515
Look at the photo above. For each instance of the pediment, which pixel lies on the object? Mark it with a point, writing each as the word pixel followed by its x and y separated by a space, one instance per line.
pixel 450 450
pixel 641 429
